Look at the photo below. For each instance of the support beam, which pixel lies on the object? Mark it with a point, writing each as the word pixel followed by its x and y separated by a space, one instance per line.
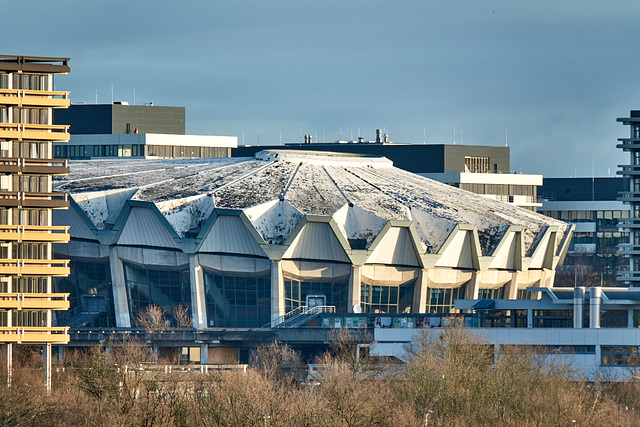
pixel 473 286
pixel 578 307
pixel 511 288
pixel 9 363
pixel 120 303
pixel 421 293
pixel 595 297
pixel 277 290
pixel 355 287
pixel 198 298
pixel 46 355
pixel 204 354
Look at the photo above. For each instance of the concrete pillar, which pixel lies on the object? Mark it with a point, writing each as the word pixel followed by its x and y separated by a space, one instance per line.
pixel 595 297
pixel 204 354
pixel 277 290
pixel 198 299
pixel 9 363
pixel 46 356
pixel 630 318
pixel 511 288
pixel 578 306
pixel 473 286
pixel 421 293
pixel 120 300
pixel 355 287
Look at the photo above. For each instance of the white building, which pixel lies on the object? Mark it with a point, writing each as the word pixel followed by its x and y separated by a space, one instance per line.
pixel 244 241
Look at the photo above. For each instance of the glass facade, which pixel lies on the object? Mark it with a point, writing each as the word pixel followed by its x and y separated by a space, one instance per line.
pixel 237 301
pixel 619 356
pixel 441 300
pixel 90 291
pixel 296 291
pixel 165 288
pixel 497 293
pixel 387 298
pixel 596 249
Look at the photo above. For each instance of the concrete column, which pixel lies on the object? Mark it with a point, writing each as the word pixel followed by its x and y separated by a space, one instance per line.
pixel 355 287
pixel 46 356
pixel 595 296
pixel 511 288
pixel 421 293
pixel 9 363
pixel 473 286
pixel 120 300
pixel 204 354
pixel 277 290
pixel 578 306
pixel 630 318
pixel 198 299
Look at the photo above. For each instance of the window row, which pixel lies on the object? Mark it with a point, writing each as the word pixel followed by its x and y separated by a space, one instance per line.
pixel 137 150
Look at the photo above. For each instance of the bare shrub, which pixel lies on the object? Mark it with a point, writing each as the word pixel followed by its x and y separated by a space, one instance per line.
pixel 182 315
pixel 279 361
pixel 152 318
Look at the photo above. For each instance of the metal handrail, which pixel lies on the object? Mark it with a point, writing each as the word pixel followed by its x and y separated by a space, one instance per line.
pixel 298 313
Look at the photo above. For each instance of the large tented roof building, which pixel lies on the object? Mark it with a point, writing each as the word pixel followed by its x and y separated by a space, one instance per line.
pixel 242 241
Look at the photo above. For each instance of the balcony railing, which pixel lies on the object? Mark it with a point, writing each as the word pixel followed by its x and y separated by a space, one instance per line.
pixel 34 334
pixel 33 166
pixel 34 131
pixel 34 267
pixel 34 98
pixel 14 199
pixel 34 233
pixel 34 301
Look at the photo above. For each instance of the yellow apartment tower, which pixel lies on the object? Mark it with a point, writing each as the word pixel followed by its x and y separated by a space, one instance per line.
pixel 27 133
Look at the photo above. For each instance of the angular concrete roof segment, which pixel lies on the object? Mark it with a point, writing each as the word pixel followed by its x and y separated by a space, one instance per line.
pixel 277 189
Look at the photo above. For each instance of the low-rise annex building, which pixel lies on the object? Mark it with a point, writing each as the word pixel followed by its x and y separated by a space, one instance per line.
pixel 243 241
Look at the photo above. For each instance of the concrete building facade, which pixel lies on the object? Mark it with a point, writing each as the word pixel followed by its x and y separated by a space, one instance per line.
pixel 27 265
pixel 631 197
pixel 245 242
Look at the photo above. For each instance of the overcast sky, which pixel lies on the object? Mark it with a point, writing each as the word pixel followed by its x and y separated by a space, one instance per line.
pixel 555 73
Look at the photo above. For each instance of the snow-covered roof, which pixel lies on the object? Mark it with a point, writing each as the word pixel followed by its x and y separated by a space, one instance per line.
pixel 276 189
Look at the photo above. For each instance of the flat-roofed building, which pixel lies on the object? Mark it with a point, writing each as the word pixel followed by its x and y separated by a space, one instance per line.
pixel 143 131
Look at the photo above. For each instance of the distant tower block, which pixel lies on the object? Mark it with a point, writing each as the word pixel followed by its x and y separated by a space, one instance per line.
pixel 631 250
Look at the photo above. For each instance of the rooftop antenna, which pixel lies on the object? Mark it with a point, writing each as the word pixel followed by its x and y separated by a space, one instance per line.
pixel 134 96
pixel 351 139
pixel 454 135
pixel 280 136
pixel 340 139
pixel 96 96
pixel 506 137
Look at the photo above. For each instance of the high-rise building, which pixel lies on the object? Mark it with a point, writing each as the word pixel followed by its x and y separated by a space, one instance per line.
pixel 27 132
pixel 631 196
